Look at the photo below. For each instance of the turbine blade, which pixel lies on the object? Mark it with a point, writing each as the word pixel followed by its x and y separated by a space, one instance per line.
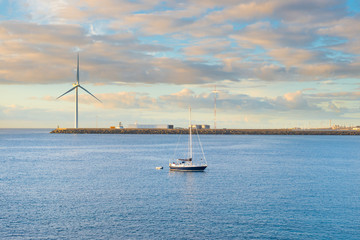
pixel 89 93
pixel 66 92
pixel 77 72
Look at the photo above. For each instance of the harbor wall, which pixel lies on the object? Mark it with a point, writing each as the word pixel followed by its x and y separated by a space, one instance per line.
pixel 204 131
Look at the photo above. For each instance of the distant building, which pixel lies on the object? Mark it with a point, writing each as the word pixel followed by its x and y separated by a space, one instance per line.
pixel 120 126
pixel 198 126
pixel 163 126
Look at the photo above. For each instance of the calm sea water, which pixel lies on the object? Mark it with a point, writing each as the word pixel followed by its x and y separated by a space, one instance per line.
pixel 106 187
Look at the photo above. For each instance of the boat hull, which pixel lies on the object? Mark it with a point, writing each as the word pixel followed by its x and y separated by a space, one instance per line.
pixel 187 168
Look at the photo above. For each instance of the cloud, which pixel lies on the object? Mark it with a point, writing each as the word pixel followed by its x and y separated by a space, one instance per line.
pixel 25 113
pixel 184 99
pixel 292 57
pixel 244 47
pixel 119 100
pixel 294 101
pixel 231 103
pixel 207 47
pixel 292 104
pixel 64 11
pixel 44 53
pixel 182 42
pixel 334 108
pixel 125 100
pixel 347 33
pixel 337 96
pixel 232 108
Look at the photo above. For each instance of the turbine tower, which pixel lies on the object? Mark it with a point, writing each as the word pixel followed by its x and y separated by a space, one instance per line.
pixel 76 86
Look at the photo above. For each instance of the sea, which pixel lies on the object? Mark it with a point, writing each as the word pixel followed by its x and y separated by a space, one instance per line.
pixel 89 186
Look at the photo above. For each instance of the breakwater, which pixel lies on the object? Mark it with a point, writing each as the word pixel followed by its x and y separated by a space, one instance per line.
pixel 204 131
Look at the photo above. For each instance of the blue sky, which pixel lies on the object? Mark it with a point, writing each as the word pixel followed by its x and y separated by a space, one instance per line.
pixel 275 63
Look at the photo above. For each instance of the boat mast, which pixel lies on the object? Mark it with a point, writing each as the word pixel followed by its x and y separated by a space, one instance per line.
pixel 190 137
pixel 215 107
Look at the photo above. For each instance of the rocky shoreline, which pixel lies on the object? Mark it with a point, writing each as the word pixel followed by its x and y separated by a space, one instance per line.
pixel 204 131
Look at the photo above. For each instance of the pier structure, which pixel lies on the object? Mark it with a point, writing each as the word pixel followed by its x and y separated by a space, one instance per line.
pixel 203 131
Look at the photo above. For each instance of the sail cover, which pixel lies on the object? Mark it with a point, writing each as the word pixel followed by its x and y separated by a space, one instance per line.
pixel 185 159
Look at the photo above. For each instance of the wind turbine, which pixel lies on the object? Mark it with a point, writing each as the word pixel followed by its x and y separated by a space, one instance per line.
pixel 76 86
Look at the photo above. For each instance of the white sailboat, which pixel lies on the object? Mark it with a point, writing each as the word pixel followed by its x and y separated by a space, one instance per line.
pixel 188 164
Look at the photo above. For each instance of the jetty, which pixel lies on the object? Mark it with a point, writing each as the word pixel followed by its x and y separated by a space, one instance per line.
pixel 205 131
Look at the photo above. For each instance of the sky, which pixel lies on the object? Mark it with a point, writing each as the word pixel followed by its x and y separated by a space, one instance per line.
pixel 275 63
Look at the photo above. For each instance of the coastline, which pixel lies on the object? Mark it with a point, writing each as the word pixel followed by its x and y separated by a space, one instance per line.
pixel 204 131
